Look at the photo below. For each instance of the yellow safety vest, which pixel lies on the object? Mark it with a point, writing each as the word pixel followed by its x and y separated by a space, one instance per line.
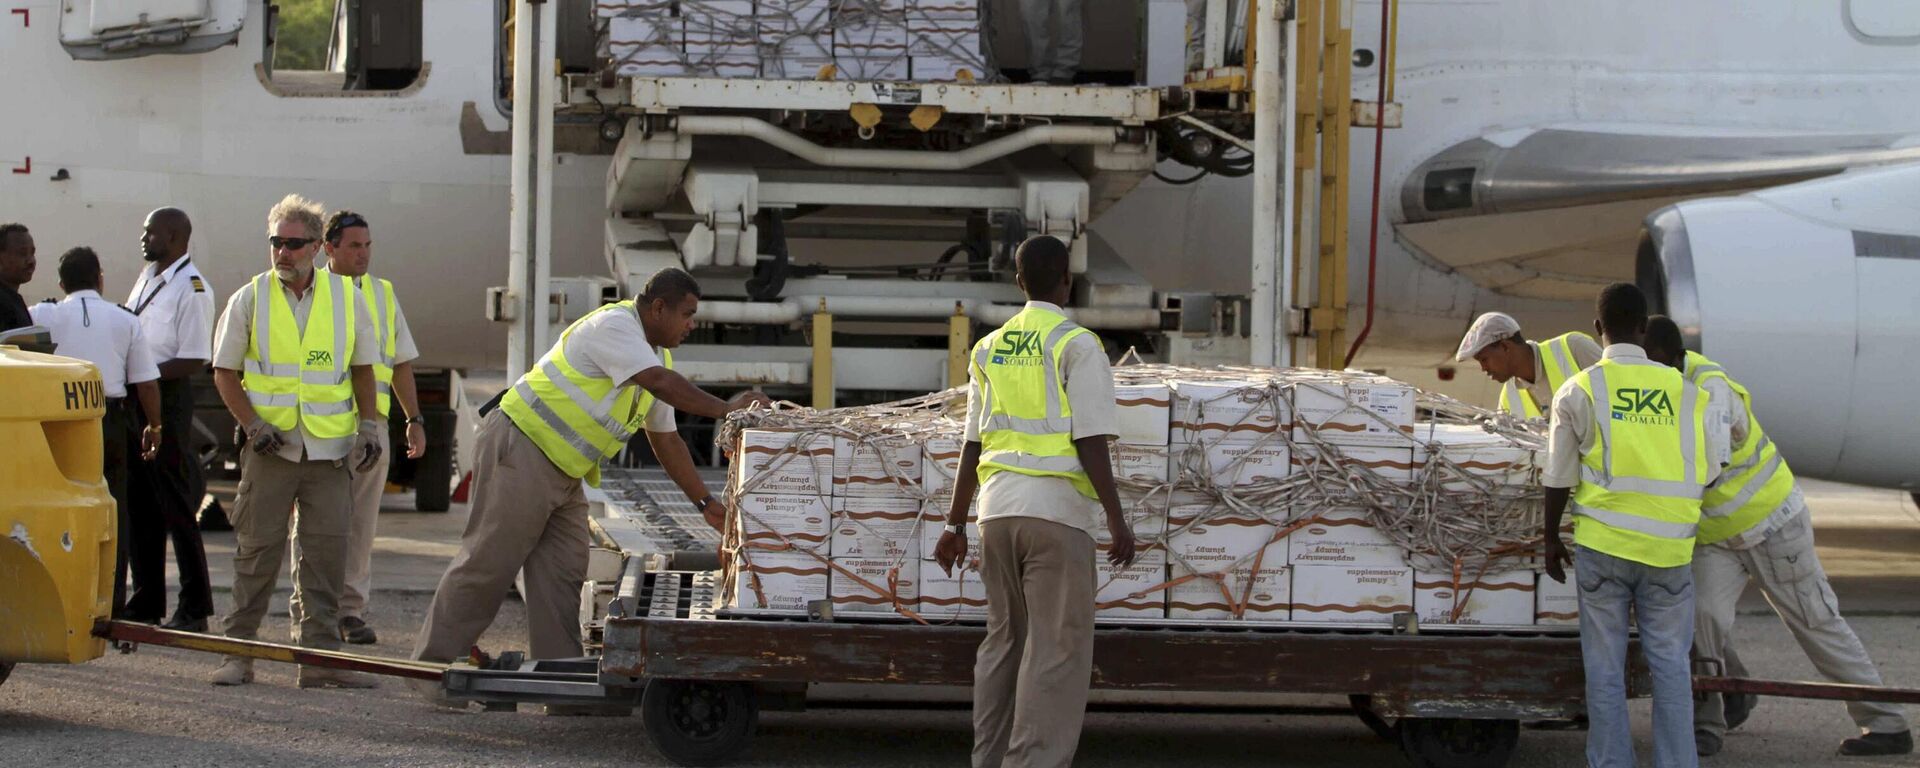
pixel 1029 423
pixel 576 419
pixel 1556 358
pixel 1640 488
pixel 294 378
pixel 1756 482
pixel 377 298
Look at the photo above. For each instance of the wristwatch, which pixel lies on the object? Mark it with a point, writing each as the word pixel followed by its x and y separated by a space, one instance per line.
pixel 955 530
pixel 704 501
pixel 422 420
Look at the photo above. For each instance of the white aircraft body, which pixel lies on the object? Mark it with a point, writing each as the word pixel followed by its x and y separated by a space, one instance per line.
pixel 1776 146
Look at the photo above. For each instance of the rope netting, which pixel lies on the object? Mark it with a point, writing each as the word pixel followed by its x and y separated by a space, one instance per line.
pixel 1457 515
pixel 921 40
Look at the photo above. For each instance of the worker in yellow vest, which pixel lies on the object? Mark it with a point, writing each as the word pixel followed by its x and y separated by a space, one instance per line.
pixel 349 247
pixel 1755 525
pixel 1040 411
pixel 1632 446
pixel 608 379
pixel 1528 372
pixel 293 360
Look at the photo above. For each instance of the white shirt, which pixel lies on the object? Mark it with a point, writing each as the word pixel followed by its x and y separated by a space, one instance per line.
pixel 613 345
pixel 100 332
pixel 1088 380
pixel 176 311
pixel 1574 436
pixel 236 331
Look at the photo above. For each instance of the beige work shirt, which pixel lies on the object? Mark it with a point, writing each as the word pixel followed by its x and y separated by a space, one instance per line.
pixel 1586 354
pixel 1573 434
pixel 230 352
pixel 1089 386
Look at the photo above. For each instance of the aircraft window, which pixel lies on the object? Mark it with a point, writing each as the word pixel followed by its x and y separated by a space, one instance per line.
pixel 337 47
pixel 1884 22
pixel 1449 190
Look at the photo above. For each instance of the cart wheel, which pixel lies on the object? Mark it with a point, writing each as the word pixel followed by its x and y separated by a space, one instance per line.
pixel 1458 743
pixel 699 724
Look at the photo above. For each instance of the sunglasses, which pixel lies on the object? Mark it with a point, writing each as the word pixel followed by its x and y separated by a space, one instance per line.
pixel 342 224
pixel 291 243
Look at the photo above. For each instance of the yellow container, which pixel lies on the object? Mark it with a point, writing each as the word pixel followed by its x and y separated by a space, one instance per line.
pixel 56 516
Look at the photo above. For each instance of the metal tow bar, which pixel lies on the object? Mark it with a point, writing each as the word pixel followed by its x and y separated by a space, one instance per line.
pixel 127 636
pixel 1794 690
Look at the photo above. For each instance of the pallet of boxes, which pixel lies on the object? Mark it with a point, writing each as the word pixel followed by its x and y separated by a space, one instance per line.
pixel 886 40
pixel 1257 496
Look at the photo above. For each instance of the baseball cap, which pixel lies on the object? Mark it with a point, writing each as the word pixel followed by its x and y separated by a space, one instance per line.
pixel 1486 329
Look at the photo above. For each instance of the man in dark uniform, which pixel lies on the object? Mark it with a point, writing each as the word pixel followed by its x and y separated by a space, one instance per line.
pixel 175 307
pixel 16 269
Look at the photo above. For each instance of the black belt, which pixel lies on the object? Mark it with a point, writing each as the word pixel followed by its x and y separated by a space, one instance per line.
pixel 115 400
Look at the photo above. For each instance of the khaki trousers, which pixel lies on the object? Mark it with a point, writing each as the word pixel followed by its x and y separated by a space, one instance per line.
pixel 525 513
pixel 1031 677
pixel 1788 570
pixel 366 490
pixel 262 513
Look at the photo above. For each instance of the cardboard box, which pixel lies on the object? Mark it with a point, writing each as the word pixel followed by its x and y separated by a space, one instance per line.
pixel 951 38
pixel 939 463
pixel 889 68
pixel 947 598
pixel 778 581
pixel 933 523
pixel 1209 411
pixel 1371 410
pixel 1472 452
pixel 1124 592
pixel 1144 410
pixel 791 463
pixel 1269 598
pixel 1146 515
pixel 877 465
pixel 1232 462
pixel 1554 603
pixel 1391 464
pixel 883 34
pixel 877 528
pixel 1344 537
pixel 1143 463
pixel 647 46
pixel 1214 539
pixel 616 9
pixel 1495 598
pixel 805 521
pixel 943 9
pixel 1351 594
pixel 900 576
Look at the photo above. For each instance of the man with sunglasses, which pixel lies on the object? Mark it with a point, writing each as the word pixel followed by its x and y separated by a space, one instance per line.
pixel 307 348
pixel 349 246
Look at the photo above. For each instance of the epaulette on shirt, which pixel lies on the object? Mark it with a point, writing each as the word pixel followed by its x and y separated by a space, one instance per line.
pixel 49 301
pixel 199 286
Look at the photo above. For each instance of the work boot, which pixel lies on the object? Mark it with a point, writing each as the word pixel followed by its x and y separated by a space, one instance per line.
pixel 1738 707
pixel 433 693
pixel 321 677
pixel 1870 744
pixel 233 671
pixel 355 631
pixel 1706 743
pixel 182 623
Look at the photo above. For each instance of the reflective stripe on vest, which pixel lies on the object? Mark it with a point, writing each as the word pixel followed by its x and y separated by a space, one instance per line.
pixel 1757 481
pixel 1556 359
pixel 1028 423
pixel 576 419
pixel 1640 488
pixel 376 297
pixel 297 378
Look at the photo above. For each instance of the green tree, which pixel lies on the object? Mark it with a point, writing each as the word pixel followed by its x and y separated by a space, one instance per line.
pixel 305 26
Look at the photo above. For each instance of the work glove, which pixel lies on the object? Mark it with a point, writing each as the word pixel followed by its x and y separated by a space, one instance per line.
pixel 366 445
pixel 263 438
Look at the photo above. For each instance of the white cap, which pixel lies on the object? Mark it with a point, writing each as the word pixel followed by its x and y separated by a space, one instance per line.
pixel 1486 329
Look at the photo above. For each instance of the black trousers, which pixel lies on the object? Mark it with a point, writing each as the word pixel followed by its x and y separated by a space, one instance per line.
pixel 166 495
pixel 115 435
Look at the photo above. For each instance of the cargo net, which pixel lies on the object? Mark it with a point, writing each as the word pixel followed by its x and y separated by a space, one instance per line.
pixel 895 40
pixel 1449 512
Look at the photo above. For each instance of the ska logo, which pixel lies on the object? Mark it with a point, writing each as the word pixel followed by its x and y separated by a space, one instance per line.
pixel 319 358
pixel 1021 348
pixel 1643 406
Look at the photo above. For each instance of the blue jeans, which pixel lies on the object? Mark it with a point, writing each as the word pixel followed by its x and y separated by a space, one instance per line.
pixel 1662 598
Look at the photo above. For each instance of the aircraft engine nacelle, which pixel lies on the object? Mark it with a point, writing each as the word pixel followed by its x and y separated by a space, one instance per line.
pixel 1810 296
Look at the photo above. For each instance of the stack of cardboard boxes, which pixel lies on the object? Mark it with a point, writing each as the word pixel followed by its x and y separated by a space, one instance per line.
pixel 888 40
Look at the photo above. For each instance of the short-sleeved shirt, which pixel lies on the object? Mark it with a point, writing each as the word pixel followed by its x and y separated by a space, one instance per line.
pixel 1586 354
pixel 100 332
pixel 176 312
pixel 1739 425
pixel 1574 436
pixel 613 345
pixel 230 353
pixel 1089 385
pixel 13 309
